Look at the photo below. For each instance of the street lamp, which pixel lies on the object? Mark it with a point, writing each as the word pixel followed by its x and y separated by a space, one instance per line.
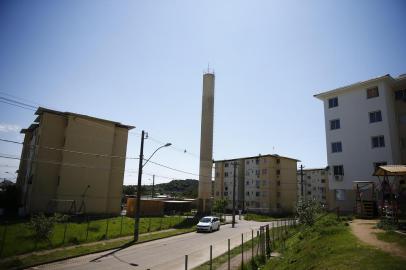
pixel 140 166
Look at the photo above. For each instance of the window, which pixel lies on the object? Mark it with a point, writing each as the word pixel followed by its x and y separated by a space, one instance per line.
pixel 226 165
pixel 278 205
pixel 323 180
pixel 334 124
pixel 377 164
pixel 278 161
pixel 257 161
pixel 248 182
pixel 59 180
pixel 225 193
pixel 226 174
pixel 340 194
pixel 400 94
pixel 402 119
pixel 333 102
pixel 372 92
pixel 247 162
pixel 336 147
pixel 375 117
pixel 264 171
pixel 257 194
pixel 309 193
pixel 278 183
pixel 338 170
pixel 278 194
pixel 226 188
pixel 278 172
pixel 248 193
pixel 217 193
pixel 378 141
pixel 217 174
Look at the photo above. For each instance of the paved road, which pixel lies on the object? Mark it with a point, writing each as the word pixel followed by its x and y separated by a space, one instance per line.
pixel 164 254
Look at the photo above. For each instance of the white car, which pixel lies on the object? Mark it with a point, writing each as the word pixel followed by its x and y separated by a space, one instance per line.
pixel 208 224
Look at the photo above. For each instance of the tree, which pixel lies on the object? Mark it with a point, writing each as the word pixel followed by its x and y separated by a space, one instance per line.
pixel 219 206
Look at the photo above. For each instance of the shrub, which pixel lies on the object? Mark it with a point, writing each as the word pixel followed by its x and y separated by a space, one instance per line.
pixel 43 226
pixel 306 211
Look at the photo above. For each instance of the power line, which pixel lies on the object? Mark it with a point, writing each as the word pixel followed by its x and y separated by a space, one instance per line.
pixel 100 155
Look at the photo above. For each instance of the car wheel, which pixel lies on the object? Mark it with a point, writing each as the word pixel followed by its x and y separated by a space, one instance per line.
pixel 218 228
pixel 211 229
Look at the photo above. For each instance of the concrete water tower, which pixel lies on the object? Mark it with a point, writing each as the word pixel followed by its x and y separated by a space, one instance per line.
pixel 206 145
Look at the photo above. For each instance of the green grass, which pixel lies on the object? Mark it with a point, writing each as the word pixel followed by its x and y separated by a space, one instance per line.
pixel 19 238
pixel 82 250
pixel 258 217
pixel 222 259
pixel 329 244
pixel 392 237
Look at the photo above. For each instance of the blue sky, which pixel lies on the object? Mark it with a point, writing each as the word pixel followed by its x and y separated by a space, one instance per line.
pixel 141 63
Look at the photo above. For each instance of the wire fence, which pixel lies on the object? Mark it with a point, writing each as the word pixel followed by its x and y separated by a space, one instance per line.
pixel 236 251
pixel 18 237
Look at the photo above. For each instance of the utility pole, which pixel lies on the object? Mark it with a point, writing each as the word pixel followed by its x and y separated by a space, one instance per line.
pixel 153 185
pixel 301 180
pixel 137 206
pixel 234 173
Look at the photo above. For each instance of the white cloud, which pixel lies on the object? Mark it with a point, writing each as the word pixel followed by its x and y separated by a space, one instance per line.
pixel 9 128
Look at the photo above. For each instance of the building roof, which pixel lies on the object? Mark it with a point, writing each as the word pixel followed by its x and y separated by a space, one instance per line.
pixel 42 110
pixel 349 87
pixel 390 170
pixel 259 156
pixel 315 169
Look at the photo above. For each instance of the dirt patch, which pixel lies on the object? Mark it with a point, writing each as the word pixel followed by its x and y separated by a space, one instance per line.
pixel 366 232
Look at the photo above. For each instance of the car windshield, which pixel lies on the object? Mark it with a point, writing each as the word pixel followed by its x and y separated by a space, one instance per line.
pixel 205 219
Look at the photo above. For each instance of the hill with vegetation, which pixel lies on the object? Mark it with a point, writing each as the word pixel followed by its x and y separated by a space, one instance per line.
pixel 176 188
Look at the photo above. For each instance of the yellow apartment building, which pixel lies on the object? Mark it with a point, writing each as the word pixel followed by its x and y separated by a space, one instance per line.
pixel 264 183
pixel 72 163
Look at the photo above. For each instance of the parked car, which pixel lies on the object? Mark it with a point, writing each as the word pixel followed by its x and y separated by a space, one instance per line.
pixel 208 224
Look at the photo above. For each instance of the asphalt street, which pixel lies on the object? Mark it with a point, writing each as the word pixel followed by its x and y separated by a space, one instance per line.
pixel 164 254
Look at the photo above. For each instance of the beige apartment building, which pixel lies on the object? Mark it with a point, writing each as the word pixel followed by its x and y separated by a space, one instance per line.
pixel 72 163
pixel 264 183
pixel 315 185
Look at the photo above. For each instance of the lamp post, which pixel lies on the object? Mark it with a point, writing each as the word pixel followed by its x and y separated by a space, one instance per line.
pixel 140 166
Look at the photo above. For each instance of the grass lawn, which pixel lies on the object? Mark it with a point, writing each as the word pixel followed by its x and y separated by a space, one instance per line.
pixel 82 250
pixel 258 217
pixel 19 238
pixel 329 244
pixel 393 237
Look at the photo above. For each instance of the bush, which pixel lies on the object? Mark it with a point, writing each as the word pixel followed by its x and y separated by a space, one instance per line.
pixel 307 211
pixel 43 226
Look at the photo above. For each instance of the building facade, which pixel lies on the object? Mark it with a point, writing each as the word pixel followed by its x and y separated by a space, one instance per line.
pixel 315 185
pixel 72 162
pixel 264 184
pixel 365 127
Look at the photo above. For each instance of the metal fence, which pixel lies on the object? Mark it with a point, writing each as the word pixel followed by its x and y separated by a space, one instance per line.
pixel 246 247
pixel 16 236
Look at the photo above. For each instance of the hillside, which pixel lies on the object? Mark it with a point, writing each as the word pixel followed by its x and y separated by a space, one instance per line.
pixel 177 188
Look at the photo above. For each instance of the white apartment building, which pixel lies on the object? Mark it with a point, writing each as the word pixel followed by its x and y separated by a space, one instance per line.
pixel 315 185
pixel 365 126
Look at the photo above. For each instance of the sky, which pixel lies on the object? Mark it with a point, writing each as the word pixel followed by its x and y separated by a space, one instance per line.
pixel 141 63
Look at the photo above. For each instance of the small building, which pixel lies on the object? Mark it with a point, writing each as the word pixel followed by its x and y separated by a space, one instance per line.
pixel 72 163
pixel 264 183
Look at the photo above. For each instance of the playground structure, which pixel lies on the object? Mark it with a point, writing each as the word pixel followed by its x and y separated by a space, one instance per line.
pixel 386 197
pixel 392 190
pixel 365 200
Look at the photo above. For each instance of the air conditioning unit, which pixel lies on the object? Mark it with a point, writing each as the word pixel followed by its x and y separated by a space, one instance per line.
pixel 338 177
